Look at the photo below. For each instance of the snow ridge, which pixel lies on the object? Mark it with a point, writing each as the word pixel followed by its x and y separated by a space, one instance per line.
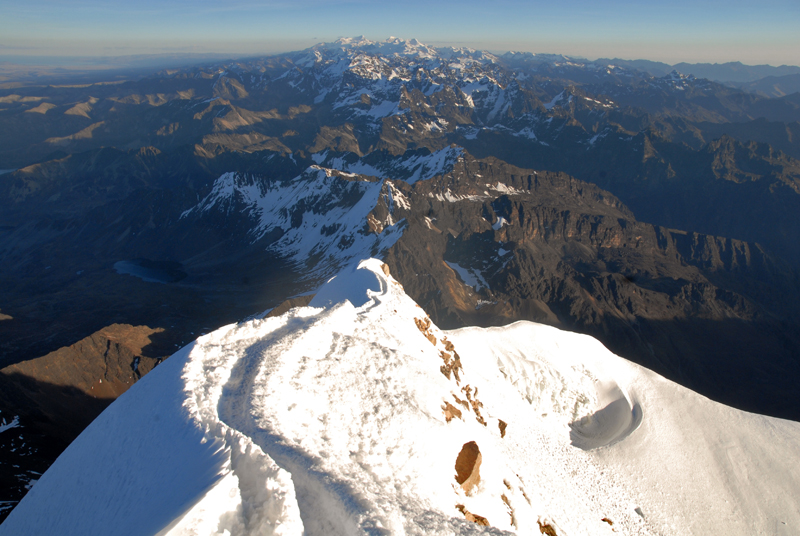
pixel 319 215
pixel 353 416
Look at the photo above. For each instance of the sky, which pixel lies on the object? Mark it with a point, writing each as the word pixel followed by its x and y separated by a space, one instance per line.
pixel 712 31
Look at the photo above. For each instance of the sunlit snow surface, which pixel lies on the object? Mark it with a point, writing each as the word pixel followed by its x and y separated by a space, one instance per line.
pixel 329 420
pixel 317 215
pixel 408 168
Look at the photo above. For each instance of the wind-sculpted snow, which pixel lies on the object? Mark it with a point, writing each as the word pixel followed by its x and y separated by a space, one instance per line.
pixel 617 418
pixel 348 417
pixel 600 410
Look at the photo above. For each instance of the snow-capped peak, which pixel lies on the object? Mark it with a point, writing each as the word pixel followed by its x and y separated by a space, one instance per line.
pixel 675 75
pixel 353 42
pixel 393 46
pixel 357 415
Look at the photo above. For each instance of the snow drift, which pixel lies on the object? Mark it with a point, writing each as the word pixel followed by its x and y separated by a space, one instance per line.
pixel 356 415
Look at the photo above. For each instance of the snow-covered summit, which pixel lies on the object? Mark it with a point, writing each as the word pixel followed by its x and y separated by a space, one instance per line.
pixel 397 47
pixel 393 46
pixel 421 93
pixel 416 51
pixel 356 415
pixel 350 49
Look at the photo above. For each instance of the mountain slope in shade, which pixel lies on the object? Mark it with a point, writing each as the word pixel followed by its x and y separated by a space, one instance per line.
pixel 356 415
pixel 774 86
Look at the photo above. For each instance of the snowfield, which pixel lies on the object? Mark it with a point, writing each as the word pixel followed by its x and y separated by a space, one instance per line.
pixel 356 415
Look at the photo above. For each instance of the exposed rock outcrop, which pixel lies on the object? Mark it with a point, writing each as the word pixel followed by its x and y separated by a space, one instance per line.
pixel 521 244
pixel 468 465
pixel 62 392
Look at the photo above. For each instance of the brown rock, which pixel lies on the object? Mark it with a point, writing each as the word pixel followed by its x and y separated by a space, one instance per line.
pixel 450 411
pixel 291 303
pixel 424 325
pixel 464 403
pixel 468 464
pixel 547 529
pixel 474 518
pixel 65 390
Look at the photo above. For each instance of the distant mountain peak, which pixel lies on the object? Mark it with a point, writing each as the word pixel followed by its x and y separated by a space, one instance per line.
pixel 392 46
pixel 413 48
pixel 676 75
pixel 353 41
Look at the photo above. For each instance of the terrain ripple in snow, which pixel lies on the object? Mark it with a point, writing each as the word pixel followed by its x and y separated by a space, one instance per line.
pixel 348 417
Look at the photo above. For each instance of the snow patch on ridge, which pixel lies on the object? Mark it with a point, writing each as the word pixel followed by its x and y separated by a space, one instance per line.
pixel 556 100
pixel 501 221
pixel 469 276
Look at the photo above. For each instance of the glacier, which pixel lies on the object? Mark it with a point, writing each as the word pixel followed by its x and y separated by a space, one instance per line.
pixel 348 416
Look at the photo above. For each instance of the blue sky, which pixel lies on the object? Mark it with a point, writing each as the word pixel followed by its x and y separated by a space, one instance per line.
pixel 672 31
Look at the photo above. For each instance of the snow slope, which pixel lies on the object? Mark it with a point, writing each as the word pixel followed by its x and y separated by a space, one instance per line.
pixel 316 216
pixel 348 416
pixel 409 168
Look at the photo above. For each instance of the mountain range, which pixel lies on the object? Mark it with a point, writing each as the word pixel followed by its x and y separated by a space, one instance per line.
pixel 653 212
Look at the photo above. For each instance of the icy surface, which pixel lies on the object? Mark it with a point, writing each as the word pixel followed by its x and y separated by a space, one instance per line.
pixel 469 276
pixel 331 419
pixel 501 221
pixel 130 268
pixel 151 272
pixel 555 101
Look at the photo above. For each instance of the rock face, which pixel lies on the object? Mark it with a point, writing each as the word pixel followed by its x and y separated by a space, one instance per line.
pixel 62 392
pixel 489 243
pixel 56 396
pixel 468 466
